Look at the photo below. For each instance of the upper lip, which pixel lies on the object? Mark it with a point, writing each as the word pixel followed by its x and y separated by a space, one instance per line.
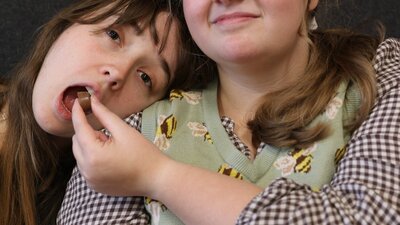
pixel 233 15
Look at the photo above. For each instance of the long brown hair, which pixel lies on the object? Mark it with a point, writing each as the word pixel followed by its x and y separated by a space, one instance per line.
pixel 34 170
pixel 336 55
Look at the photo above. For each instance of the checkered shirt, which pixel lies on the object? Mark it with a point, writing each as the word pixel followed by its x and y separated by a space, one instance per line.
pixel 82 205
pixel 365 188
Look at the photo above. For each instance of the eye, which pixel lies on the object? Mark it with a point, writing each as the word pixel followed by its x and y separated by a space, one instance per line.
pixel 113 35
pixel 145 78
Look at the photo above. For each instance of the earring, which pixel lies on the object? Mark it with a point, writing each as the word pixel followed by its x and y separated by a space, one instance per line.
pixel 313 24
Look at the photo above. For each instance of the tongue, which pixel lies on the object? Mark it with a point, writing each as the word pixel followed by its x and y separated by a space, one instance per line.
pixel 70 95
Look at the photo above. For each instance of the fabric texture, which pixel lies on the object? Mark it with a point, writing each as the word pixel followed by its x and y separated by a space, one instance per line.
pixel 366 186
pixel 83 205
pixel 364 190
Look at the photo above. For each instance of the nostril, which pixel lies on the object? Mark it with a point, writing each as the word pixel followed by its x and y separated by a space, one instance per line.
pixel 106 73
pixel 114 83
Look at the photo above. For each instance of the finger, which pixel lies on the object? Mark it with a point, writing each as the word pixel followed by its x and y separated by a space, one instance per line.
pixel 84 133
pixel 108 119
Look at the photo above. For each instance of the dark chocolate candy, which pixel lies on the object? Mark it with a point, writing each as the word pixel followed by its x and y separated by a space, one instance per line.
pixel 84 101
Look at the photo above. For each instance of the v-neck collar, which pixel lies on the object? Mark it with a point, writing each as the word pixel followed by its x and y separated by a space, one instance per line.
pixel 252 169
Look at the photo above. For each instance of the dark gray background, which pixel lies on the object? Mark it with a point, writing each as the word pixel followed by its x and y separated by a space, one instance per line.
pixel 21 18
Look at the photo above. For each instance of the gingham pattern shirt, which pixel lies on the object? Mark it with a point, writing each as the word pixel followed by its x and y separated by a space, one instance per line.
pixel 365 188
pixel 229 126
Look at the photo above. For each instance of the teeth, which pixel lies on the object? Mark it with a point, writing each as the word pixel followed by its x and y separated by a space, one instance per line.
pixel 89 90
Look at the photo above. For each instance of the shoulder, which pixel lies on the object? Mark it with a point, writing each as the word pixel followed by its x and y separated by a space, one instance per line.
pixel 186 99
pixel 387 64
pixel 179 100
pixel 388 54
pixel 389 45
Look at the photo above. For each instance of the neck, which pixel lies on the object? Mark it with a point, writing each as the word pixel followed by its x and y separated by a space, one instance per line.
pixel 237 100
pixel 243 86
pixel 244 83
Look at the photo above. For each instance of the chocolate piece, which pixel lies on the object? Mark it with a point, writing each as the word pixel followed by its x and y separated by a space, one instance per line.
pixel 84 101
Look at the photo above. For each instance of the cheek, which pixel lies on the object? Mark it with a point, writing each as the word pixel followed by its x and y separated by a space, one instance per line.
pixel 283 10
pixel 58 60
pixel 196 14
pixel 285 17
pixel 42 92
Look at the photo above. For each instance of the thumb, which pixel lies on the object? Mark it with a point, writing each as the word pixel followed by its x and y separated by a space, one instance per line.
pixel 84 136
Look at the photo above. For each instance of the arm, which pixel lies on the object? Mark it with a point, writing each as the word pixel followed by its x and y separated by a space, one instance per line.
pixel 365 189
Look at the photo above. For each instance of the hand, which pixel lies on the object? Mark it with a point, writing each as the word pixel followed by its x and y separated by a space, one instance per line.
pixel 128 164
pixel 124 164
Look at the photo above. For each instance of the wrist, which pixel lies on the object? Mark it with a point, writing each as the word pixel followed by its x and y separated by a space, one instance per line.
pixel 165 178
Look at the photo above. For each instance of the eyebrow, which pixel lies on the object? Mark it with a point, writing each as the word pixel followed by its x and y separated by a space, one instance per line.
pixel 166 68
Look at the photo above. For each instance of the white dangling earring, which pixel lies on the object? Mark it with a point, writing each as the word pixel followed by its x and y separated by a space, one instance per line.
pixel 313 23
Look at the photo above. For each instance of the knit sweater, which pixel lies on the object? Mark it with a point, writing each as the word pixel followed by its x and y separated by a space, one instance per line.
pixel 188 128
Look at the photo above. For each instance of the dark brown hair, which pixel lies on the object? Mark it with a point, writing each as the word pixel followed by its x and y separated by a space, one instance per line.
pixel 204 69
pixel 34 169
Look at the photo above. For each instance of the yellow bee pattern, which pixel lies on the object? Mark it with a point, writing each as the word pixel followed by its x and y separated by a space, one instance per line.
pixel 297 160
pixel 303 161
pixel 175 94
pixel 191 97
pixel 229 171
pixel 166 128
pixel 339 154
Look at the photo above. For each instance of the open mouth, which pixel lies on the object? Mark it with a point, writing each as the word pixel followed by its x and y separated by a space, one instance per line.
pixel 71 93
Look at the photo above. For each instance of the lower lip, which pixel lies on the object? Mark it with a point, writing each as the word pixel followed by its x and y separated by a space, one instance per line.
pixel 61 110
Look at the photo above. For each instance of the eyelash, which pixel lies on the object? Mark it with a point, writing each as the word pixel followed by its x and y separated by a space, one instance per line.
pixel 146 78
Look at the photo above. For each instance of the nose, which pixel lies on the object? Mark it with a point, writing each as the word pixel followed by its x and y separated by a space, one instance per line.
pixel 115 75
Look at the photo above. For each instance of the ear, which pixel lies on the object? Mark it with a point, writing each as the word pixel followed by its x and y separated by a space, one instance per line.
pixel 312 4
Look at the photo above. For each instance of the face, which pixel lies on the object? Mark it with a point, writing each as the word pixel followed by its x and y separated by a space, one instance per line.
pixel 123 68
pixel 239 31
